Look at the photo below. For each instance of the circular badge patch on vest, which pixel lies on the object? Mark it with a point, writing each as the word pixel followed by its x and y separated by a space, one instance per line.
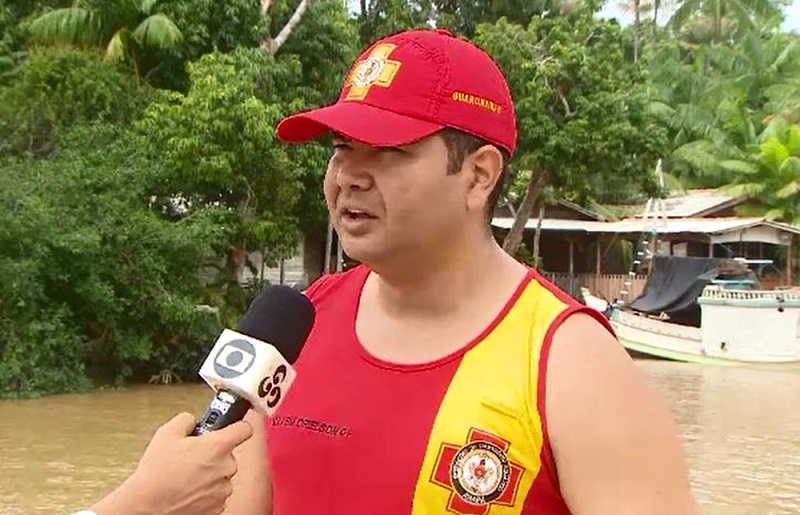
pixel 480 472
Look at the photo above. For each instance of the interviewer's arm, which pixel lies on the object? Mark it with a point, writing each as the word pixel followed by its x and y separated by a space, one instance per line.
pixel 616 446
pixel 252 485
pixel 179 474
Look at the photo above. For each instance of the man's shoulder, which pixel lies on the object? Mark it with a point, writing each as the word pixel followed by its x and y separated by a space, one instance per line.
pixel 601 409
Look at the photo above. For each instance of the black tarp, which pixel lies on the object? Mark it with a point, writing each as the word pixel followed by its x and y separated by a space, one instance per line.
pixel 675 283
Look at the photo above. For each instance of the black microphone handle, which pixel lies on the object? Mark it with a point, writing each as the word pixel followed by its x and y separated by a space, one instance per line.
pixel 224 409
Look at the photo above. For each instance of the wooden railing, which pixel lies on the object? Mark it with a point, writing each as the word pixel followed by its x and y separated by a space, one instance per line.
pixel 607 286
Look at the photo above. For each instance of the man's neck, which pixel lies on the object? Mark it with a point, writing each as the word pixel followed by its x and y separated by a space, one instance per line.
pixel 440 289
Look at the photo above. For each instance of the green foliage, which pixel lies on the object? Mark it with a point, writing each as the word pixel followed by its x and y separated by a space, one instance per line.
pixel 15 16
pixel 58 89
pixel 323 48
pixel 772 175
pixel 581 104
pixel 218 146
pixel 325 45
pixel 716 21
pixel 379 18
pixel 218 149
pixel 123 28
pixel 716 100
pixel 97 278
pixel 120 197
pixel 135 189
pixel 206 25
pixel 464 16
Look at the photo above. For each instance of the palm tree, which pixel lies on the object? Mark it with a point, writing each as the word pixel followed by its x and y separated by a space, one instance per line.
pixel 773 175
pixel 122 27
pixel 716 21
pixel 715 100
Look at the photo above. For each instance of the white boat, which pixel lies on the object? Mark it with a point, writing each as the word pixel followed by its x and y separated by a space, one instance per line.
pixel 690 312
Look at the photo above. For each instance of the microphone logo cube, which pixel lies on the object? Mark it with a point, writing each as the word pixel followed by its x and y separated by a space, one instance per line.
pixel 234 358
pixel 249 368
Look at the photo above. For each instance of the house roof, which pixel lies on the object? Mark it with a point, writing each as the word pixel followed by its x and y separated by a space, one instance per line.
pixel 504 206
pixel 719 230
pixel 696 203
pixel 580 209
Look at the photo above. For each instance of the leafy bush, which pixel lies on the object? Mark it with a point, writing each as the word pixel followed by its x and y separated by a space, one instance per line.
pixel 97 281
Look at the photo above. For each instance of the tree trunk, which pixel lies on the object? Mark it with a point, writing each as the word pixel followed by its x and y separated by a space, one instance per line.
pixel 237 258
pixel 514 236
pixel 272 45
pixel 637 29
pixel 656 5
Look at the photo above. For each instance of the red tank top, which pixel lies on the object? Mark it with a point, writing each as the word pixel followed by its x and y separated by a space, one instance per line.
pixel 465 434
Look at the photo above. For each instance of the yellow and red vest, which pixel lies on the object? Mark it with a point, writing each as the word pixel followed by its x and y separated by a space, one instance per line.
pixel 466 434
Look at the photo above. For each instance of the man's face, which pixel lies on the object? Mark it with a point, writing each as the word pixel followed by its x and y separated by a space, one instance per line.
pixel 391 203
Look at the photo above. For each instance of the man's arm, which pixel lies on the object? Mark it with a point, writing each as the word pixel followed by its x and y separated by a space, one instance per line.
pixel 252 484
pixel 615 443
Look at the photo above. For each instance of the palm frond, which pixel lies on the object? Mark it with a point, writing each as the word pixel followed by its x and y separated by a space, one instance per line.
pixel 72 25
pixel 748 190
pixel 117 47
pixel 793 141
pixel 746 209
pixel 787 54
pixel 788 191
pixel 157 30
pixel 146 6
pixel 699 154
pixel 775 128
pixel 738 167
pixel 773 153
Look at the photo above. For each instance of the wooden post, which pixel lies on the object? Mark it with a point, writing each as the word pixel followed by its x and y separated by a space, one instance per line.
pixel 789 253
pixel 339 256
pixel 598 254
pixel 571 256
pixel 328 248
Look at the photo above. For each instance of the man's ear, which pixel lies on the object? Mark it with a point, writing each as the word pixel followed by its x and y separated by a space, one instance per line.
pixel 485 167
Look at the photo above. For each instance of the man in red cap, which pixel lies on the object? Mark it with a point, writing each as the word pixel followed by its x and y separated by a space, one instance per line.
pixel 442 375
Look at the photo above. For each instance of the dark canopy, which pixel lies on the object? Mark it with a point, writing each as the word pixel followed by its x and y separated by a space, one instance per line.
pixel 675 283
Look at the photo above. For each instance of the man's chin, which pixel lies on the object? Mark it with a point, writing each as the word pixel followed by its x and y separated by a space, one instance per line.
pixel 363 250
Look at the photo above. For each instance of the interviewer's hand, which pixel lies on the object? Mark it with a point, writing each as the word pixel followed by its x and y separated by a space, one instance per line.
pixel 180 474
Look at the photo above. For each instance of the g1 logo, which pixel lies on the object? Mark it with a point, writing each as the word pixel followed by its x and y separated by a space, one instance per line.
pixel 270 387
pixel 234 358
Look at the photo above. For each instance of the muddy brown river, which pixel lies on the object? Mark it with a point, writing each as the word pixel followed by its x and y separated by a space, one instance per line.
pixel 741 430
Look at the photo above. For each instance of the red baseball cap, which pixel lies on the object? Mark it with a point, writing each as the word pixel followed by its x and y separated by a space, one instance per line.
pixel 411 85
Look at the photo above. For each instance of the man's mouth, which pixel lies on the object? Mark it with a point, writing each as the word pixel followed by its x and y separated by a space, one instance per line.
pixel 357 214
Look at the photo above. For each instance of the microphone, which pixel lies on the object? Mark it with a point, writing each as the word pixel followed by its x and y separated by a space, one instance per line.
pixel 252 367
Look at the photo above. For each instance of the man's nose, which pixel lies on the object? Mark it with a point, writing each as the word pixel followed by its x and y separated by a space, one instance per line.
pixel 353 174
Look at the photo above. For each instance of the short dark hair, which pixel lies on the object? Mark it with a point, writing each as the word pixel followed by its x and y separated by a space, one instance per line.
pixel 459 145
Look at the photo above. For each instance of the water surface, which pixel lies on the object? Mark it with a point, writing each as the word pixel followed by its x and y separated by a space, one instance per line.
pixel 741 429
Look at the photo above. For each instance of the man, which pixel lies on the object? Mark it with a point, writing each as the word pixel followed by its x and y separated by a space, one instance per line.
pixel 443 376
pixel 178 474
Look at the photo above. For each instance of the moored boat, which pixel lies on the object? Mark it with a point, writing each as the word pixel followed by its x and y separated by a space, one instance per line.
pixel 711 311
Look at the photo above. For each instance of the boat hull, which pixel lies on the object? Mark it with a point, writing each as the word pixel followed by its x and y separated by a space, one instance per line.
pixel 651 337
